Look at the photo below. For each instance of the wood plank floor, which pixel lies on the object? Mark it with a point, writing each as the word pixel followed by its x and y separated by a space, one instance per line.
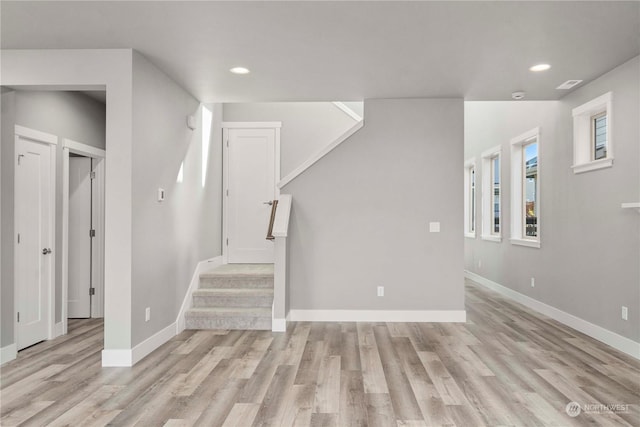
pixel 507 366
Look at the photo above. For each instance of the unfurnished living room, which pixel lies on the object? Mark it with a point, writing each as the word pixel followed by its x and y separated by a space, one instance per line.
pixel 320 213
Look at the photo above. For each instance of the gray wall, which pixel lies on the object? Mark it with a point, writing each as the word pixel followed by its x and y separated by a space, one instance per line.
pixel 171 237
pixel 307 127
pixel 64 114
pixel 588 264
pixel 361 214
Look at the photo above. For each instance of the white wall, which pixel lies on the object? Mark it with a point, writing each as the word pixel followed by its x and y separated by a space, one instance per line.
pixel 361 214
pixel 307 127
pixel 587 264
pixel 171 237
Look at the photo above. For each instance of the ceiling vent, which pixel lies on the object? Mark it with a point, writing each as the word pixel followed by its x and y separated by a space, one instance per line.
pixel 569 84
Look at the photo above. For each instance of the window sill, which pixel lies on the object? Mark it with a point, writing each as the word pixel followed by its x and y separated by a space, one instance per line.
pixel 593 165
pixel 526 242
pixel 492 238
pixel 470 235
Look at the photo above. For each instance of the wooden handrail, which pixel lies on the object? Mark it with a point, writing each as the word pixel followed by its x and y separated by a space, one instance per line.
pixel 274 206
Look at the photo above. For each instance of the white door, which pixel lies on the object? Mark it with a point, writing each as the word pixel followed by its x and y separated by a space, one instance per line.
pixel 34 259
pixel 79 299
pixel 251 160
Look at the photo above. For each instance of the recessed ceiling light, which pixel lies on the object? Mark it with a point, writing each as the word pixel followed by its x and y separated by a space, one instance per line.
pixel 239 70
pixel 540 67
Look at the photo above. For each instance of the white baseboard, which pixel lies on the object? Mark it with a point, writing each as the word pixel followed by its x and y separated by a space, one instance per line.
pixel 278 325
pixel 8 353
pixel 128 358
pixel 195 281
pixel 378 315
pixel 599 333
pixel 58 329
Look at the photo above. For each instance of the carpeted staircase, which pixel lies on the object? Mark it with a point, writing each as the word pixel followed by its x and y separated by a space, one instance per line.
pixel 233 296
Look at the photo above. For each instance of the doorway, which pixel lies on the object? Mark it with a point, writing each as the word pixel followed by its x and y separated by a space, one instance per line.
pixel 252 169
pixel 83 231
pixel 35 177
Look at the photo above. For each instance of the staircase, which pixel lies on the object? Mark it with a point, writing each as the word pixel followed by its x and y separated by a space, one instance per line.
pixel 233 296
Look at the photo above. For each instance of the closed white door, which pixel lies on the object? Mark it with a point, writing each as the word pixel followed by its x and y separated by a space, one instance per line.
pixel 79 299
pixel 251 159
pixel 34 259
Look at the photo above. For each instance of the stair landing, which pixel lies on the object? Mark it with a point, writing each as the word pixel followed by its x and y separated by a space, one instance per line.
pixel 233 296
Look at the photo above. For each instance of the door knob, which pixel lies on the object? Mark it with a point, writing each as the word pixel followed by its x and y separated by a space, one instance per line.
pixel 268 203
pixel 46 251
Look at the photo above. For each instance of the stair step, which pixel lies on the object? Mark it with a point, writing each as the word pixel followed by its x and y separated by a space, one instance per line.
pixel 249 318
pixel 233 297
pixel 238 280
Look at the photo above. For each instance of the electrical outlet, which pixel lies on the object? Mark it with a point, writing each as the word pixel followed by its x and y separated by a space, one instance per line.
pixel 380 291
pixel 625 313
pixel 533 282
pixel 147 314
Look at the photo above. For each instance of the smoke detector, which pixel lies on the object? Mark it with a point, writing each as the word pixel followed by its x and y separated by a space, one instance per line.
pixel 517 95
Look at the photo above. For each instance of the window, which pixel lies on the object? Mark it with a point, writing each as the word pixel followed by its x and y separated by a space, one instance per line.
pixel 470 198
pixel 491 195
pixel 525 189
pixel 592 143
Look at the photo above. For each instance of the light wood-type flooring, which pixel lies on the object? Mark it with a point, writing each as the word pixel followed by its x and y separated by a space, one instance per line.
pixel 507 366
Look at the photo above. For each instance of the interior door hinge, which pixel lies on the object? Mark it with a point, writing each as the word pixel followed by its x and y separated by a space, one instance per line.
pixel 92 291
pixel 227 242
pixel 18 238
pixel 92 175
pixel 20 156
pixel 227 193
pixel 227 143
pixel 18 317
pixel 92 233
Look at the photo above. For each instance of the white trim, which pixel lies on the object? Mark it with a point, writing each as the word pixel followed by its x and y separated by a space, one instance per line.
pixel 128 358
pixel 36 135
pixel 582 136
pixel 187 302
pixel 83 149
pixel 525 242
pixel 8 353
pixel 320 154
pixel 58 329
pixel 486 194
pixel 98 212
pixel 278 325
pixel 251 125
pixel 457 316
pixel 468 165
pixel 517 190
pixel 593 165
pixel 117 359
pixel 225 167
pixel 52 141
pixel 599 333
pixel 348 111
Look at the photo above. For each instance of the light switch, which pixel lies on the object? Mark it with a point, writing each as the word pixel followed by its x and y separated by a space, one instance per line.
pixel 160 194
pixel 434 227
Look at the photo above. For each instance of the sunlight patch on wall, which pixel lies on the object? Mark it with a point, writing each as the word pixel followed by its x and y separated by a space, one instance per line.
pixel 207 117
pixel 180 173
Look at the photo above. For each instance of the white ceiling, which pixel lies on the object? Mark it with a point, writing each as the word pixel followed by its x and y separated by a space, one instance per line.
pixel 325 51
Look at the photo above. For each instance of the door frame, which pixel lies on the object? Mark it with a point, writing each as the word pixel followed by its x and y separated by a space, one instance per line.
pixel 22 132
pixel 97 218
pixel 225 169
